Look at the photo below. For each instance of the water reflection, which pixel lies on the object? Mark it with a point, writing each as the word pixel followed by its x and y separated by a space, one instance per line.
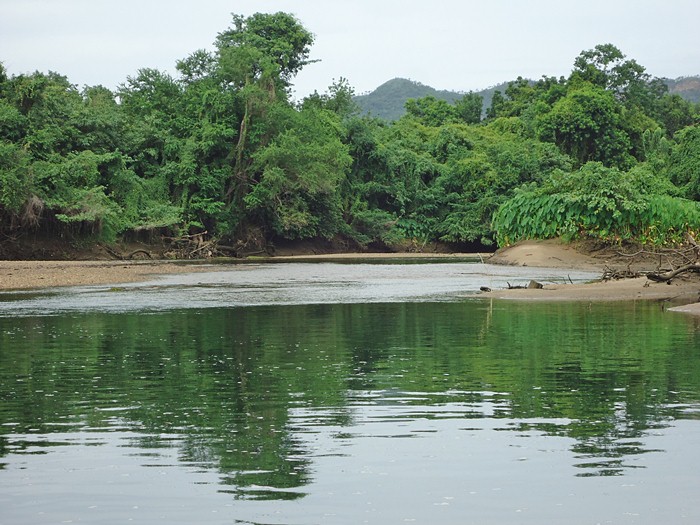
pixel 272 404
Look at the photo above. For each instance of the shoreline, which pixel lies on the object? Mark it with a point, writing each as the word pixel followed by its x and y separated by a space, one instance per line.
pixel 682 294
pixel 31 275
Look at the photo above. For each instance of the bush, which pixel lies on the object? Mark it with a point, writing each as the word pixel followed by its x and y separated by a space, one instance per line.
pixel 598 202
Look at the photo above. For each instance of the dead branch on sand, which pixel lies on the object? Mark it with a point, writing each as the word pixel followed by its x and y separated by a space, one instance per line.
pixel 692 263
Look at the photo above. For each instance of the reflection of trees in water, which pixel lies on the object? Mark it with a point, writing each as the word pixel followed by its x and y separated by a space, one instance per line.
pixel 222 386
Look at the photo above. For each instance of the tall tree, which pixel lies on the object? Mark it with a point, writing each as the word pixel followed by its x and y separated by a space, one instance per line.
pixel 606 66
pixel 257 57
pixel 586 124
pixel 469 108
pixel 265 39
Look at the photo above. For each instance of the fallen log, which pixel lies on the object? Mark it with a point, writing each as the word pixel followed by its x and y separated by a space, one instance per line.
pixel 667 276
pixel 137 252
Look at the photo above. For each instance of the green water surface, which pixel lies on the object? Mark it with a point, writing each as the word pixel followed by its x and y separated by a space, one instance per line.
pixel 450 412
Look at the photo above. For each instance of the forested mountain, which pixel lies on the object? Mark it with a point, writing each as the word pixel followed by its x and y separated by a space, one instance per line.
pixel 220 153
pixel 388 100
pixel 686 87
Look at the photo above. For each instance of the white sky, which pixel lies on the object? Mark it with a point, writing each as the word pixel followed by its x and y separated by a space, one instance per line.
pixel 459 45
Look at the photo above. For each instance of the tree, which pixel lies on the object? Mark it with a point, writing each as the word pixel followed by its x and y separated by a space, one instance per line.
pixel 277 38
pixel 587 125
pixel 431 111
pixel 605 66
pixel 476 178
pixel 100 121
pixel 256 58
pixel 684 162
pixel 675 113
pixel 300 173
pixel 469 108
pixel 339 99
pixel 16 185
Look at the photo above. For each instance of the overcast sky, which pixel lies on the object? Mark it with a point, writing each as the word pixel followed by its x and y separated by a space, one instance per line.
pixel 459 45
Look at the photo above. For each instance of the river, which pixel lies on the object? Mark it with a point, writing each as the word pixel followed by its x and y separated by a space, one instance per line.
pixel 344 393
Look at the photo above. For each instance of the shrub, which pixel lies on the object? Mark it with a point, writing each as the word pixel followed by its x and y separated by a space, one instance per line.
pixel 598 202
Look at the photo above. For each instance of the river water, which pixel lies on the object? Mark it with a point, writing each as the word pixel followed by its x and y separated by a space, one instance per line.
pixel 345 393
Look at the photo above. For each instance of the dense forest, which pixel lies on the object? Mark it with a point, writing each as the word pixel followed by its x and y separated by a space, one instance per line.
pixel 221 151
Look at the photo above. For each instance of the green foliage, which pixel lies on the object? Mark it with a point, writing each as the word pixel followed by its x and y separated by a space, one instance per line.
pixel 430 111
pixel 221 149
pixel 339 99
pixel 15 185
pixel 69 187
pixel 586 125
pixel 684 162
pixel 300 173
pixel 268 38
pixel 605 66
pixel 474 185
pixel 441 182
pixel 599 202
pixel 13 125
pixel 675 113
pixel 469 108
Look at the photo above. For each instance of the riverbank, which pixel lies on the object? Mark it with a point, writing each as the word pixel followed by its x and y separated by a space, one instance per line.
pixel 23 275
pixel 681 294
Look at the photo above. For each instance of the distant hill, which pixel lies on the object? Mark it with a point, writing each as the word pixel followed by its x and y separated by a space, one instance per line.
pixel 388 100
pixel 686 87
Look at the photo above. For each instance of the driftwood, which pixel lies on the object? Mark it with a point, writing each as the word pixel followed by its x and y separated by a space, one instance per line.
pixel 610 274
pixel 532 285
pixel 691 256
pixel 195 246
pixel 200 246
pixel 145 253
pixel 128 256
pixel 667 276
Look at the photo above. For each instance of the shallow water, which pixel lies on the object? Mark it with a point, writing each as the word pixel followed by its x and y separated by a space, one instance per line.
pixel 429 407
pixel 285 284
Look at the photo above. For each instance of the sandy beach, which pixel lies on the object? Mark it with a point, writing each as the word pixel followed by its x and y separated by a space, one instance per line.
pixel 682 294
pixel 23 275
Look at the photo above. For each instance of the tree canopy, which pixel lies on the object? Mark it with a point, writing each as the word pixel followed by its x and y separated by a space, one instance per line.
pixel 221 150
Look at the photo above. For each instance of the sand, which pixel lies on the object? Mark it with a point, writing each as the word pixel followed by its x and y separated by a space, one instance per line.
pixel 682 294
pixel 22 275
